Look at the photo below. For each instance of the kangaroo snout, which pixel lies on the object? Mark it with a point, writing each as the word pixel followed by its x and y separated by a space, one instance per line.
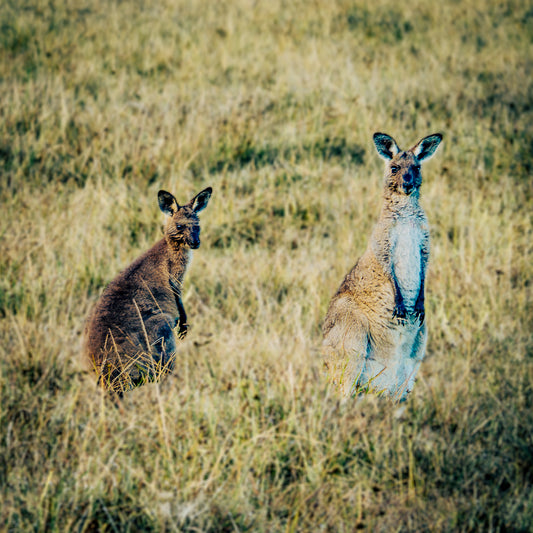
pixel 408 183
pixel 194 239
pixel 412 179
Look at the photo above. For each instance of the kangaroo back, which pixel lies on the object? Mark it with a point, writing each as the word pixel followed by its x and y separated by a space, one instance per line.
pixel 129 335
pixel 374 331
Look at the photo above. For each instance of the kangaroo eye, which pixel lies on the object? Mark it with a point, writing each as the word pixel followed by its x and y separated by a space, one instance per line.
pixel 394 169
pixel 180 227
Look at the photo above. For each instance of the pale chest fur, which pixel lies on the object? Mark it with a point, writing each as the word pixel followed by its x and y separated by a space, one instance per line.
pixel 407 240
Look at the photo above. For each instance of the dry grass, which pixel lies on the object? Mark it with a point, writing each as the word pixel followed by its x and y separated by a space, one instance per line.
pixel 273 104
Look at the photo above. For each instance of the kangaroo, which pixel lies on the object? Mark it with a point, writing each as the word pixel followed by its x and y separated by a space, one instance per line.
pixel 129 336
pixel 375 332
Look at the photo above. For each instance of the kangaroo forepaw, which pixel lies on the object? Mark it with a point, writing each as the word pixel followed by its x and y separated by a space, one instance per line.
pixel 400 313
pixel 419 311
pixel 420 314
pixel 183 328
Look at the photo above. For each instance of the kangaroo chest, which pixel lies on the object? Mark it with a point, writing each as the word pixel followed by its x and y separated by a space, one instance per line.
pixel 407 240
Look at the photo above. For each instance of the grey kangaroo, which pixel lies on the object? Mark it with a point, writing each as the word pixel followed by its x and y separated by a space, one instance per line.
pixel 375 332
pixel 129 337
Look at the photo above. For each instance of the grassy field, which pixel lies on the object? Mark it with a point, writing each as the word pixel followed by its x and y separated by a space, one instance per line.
pixel 273 104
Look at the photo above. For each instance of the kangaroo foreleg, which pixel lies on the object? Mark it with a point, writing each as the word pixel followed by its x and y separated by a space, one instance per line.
pixel 182 319
pixel 399 312
pixel 420 311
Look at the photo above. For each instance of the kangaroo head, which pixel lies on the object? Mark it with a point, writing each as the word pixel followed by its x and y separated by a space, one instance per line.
pixel 402 169
pixel 183 227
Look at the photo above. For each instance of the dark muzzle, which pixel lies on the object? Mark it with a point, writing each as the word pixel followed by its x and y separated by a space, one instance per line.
pixel 409 183
pixel 194 238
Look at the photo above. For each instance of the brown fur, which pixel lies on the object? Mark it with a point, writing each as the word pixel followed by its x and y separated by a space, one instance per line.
pixel 374 331
pixel 129 336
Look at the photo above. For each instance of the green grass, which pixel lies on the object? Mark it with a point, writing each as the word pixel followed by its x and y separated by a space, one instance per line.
pixel 273 104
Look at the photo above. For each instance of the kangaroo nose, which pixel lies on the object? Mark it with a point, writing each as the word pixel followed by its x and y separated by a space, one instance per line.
pixel 194 238
pixel 408 179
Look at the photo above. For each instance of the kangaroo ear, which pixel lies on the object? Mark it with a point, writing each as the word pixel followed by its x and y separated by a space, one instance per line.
pixel 199 202
pixel 385 145
pixel 427 146
pixel 167 203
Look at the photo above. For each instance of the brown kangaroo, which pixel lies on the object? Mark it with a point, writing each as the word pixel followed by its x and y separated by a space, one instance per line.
pixel 129 336
pixel 374 332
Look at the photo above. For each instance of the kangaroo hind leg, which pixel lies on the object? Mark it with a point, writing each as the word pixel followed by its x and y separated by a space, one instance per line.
pixel 162 346
pixel 345 349
pixel 412 362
